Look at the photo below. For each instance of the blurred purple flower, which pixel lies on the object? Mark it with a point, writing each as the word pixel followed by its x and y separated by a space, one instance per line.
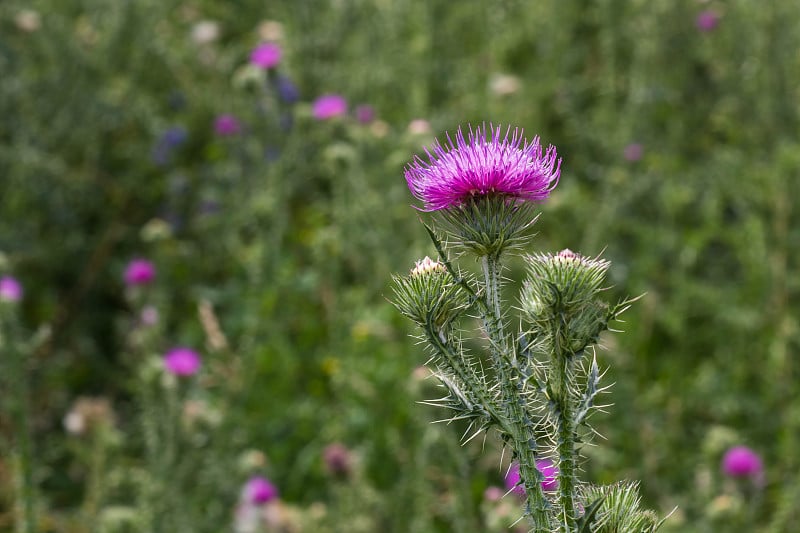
pixel 227 125
pixel 259 490
pixel 633 152
pixel 169 140
pixel 182 361
pixel 148 316
pixel 10 289
pixel 266 55
pixel 504 165
pixel 365 114
pixel 545 466
pixel 741 461
pixel 287 90
pixel 329 106
pixel 140 272
pixel 707 20
pixel 337 458
pixel 175 136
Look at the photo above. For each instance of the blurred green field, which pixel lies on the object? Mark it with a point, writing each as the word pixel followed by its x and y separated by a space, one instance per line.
pixel 274 247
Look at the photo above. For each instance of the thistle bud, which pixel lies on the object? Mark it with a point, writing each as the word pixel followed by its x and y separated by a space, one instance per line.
pixel 429 292
pixel 560 297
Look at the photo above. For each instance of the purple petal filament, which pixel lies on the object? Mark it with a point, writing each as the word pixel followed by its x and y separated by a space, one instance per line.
pixel 485 162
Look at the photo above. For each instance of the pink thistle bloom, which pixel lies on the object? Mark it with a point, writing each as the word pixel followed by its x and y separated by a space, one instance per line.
pixel 140 272
pixel 10 289
pixel 227 125
pixel 472 167
pixel 329 106
pixel 259 490
pixel 707 21
pixel 741 461
pixel 182 361
pixel 266 55
pixel 545 466
pixel 633 152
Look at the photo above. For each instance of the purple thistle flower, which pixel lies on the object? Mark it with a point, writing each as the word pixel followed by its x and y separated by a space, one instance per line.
pixel 329 106
pixel 140 272
pixel 227 125
pixel 477 167
pixel 10 289
pixel 741 461
pixel 259 490
pixel 266 55
pixel 707 20
pixel 545 466
pixel 182 361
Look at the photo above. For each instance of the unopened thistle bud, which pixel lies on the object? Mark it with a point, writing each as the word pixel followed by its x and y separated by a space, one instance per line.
pixel 429 293
pixel 560 295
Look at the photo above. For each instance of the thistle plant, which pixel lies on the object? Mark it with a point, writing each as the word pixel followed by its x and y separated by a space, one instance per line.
pixel 536 385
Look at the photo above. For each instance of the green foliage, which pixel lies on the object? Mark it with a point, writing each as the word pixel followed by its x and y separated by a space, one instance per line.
pixel 294 250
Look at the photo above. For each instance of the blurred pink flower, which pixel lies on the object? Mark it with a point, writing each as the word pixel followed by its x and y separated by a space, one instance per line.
pixel 227 125
pixel 338 459
pixel 329 106
pixel 182 361
pixel 365 114
pixel 741 461
pixel 266 55
pixel 10 289
pixel 545 466
pixel 707 20
pixel 633 152
pixel 259 490
pixel 140 272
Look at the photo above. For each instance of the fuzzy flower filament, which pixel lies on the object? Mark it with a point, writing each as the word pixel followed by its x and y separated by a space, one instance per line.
pixel 483 163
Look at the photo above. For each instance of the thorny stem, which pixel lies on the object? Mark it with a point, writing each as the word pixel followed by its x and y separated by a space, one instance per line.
pixel 562 375
pixel 519 425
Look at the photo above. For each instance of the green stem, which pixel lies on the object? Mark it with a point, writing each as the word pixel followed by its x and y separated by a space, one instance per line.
pixel 17 381
pixel 518 425
pixel 561 378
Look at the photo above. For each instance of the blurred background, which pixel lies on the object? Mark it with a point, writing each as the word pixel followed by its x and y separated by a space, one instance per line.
pixel 191 135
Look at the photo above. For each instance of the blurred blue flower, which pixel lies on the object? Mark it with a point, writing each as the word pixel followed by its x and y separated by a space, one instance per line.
pixel 287 90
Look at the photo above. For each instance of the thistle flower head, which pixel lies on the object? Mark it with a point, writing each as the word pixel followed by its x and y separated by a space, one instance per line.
pixel 182 361
pixel 266 55
pixel 741 461
pixel 429 292
pixel 566 278
pixel 227 125
pixel 560 299
pixel 329 106
pixel 485 163
pixel 259 490
pixel 140 272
